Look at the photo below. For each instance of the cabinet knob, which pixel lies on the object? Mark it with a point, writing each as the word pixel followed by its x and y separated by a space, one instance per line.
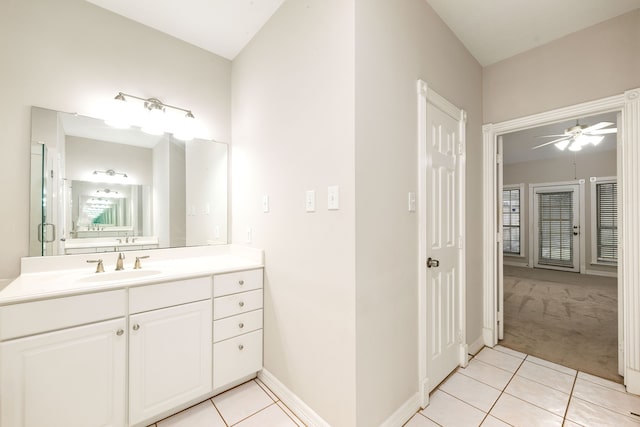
pixel 241 282
pixel 241 325
pixel 119 332
pixel 241 304
pixel 240 347
pixel 136 327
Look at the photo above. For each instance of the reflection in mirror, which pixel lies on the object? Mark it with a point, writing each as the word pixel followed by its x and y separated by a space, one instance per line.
pixel 99 189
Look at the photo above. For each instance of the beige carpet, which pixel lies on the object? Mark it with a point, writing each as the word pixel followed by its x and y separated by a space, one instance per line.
pixel 566 318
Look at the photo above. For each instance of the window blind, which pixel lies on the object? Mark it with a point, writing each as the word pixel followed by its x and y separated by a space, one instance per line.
pixel 511 221
pixel 555 228
pixel 607 221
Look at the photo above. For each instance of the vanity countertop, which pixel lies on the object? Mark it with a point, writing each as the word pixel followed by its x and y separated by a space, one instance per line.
pixel 42 278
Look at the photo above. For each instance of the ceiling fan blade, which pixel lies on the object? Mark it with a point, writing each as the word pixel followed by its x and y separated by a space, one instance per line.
pixel 603 131
pixel 596 127
pixel 552 136
pixel 552 142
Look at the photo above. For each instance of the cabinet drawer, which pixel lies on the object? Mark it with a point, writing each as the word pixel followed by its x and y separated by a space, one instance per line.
pixel 241 281
pixel 152 297
pixel 237 304
pixel 236 358
pixel 235 325
pixel 41 316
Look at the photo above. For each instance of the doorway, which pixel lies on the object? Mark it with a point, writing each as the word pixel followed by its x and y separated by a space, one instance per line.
pixel 628 162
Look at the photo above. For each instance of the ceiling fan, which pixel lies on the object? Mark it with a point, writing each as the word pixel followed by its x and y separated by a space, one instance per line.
pixel 575 137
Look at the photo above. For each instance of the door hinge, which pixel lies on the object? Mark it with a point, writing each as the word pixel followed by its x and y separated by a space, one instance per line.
pixel 499 237
pixel 499 158
pixel 459 336
pixel 460 242
pixel 51 173
pixel 460 149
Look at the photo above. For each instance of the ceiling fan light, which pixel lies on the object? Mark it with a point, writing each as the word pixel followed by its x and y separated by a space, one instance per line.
pixel 562 145
pixel 575 146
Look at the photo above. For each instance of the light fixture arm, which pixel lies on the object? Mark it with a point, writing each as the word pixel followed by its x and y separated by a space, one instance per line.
pixel 151 103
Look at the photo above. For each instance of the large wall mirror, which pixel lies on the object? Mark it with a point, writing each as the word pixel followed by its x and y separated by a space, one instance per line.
pixel 99 189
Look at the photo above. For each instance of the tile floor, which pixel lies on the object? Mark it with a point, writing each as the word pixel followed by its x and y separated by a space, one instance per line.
pixel 502 387
pixel 250 404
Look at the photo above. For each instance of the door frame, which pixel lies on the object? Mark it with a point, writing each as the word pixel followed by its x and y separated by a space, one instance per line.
pixel 574 186
pixel 427 95
pixel 628 167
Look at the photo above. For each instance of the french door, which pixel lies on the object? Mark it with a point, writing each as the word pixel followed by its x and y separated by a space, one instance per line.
pixel 556 227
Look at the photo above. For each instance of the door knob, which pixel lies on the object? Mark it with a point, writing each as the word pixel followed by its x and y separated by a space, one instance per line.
pixel 432 262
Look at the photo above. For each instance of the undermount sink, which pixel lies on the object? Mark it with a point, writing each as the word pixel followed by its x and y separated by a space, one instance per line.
pixel 117 275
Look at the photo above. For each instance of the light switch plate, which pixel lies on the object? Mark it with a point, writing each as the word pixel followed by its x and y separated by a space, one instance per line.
pixel 333 198
pixel 412 202
pixel 265 203
pixel 310 201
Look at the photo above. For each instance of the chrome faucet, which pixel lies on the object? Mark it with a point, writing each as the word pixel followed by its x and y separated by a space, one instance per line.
pixel 99 267
pixel 119 265
pixel 126 237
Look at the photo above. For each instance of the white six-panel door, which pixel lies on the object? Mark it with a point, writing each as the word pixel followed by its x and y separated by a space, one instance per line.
pixel 442 248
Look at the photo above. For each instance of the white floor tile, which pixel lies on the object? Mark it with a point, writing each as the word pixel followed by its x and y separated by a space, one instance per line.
pixel 616 401
pixel 266 389
pixel 520 413
pixel 448 411
pixel 499 359
pixel 510 352
pixel 272 416
pixel 202 415
pixel 588 414
pixel 241 402
pixel 547 376
pixel 488 374
pixel 568 423
pixel 473 392
pixel 291 414
pixel 494 422
pixel 601 381
pixel 419 420
pixel 539 395
pixel 552 365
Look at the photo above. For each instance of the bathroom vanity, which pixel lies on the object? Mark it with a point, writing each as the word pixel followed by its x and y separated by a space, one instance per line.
pixel 127 348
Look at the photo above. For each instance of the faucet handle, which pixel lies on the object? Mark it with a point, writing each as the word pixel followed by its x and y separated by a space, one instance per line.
pixel 99 267
pixel 138 265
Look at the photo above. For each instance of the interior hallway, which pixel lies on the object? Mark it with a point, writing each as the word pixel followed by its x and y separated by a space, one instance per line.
pixel 567 318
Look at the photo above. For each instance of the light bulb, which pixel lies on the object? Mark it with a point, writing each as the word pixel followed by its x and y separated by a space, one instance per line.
pixel 575 146
pixel 118 113
pixel 562 145
pixel 153 121
pixel 184 132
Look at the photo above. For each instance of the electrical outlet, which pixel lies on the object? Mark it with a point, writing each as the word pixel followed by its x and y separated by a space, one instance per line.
pixel 310 201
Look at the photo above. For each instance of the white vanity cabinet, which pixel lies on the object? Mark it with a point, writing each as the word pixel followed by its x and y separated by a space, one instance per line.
pixel 71 377
pixel 169 346
pixel 237 326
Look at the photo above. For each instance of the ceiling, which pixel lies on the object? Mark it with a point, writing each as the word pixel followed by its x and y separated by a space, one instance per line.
pixel 518 145
pixel 492 30
pixel 223 27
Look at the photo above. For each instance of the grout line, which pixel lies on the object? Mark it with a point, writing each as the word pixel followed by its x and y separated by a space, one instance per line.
pixel 249 416
pixel 219 413
pixel 573 386
pixel 549 367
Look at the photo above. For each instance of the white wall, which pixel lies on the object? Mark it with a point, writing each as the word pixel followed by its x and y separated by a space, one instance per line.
pixel 560 169
pixel 70 55
pixel 398 42
pixel 293 130
pixel 594 63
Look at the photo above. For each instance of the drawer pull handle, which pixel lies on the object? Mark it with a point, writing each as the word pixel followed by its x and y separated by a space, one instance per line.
pixel 136 327
pixel 119 332
pixel 240 347
pixel 241 304
pixel 241 325
pixel 241 282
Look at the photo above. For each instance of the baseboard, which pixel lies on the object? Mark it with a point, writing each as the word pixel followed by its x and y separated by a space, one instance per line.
pixel 632 381
pixel 515 263
pixel 404 412
pixel 476 346
pixel 293 402
pixel 601 273
pixel 487 337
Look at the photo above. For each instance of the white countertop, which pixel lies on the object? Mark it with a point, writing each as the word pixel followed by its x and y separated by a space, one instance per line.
pixel 51 277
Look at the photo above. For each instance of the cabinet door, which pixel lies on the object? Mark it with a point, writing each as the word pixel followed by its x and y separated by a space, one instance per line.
pixel 70 378
pixel 169 358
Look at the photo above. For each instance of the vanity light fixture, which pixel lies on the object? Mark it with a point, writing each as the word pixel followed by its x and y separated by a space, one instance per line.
pixel 107 190
pixel 154 116
pixel 111 172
